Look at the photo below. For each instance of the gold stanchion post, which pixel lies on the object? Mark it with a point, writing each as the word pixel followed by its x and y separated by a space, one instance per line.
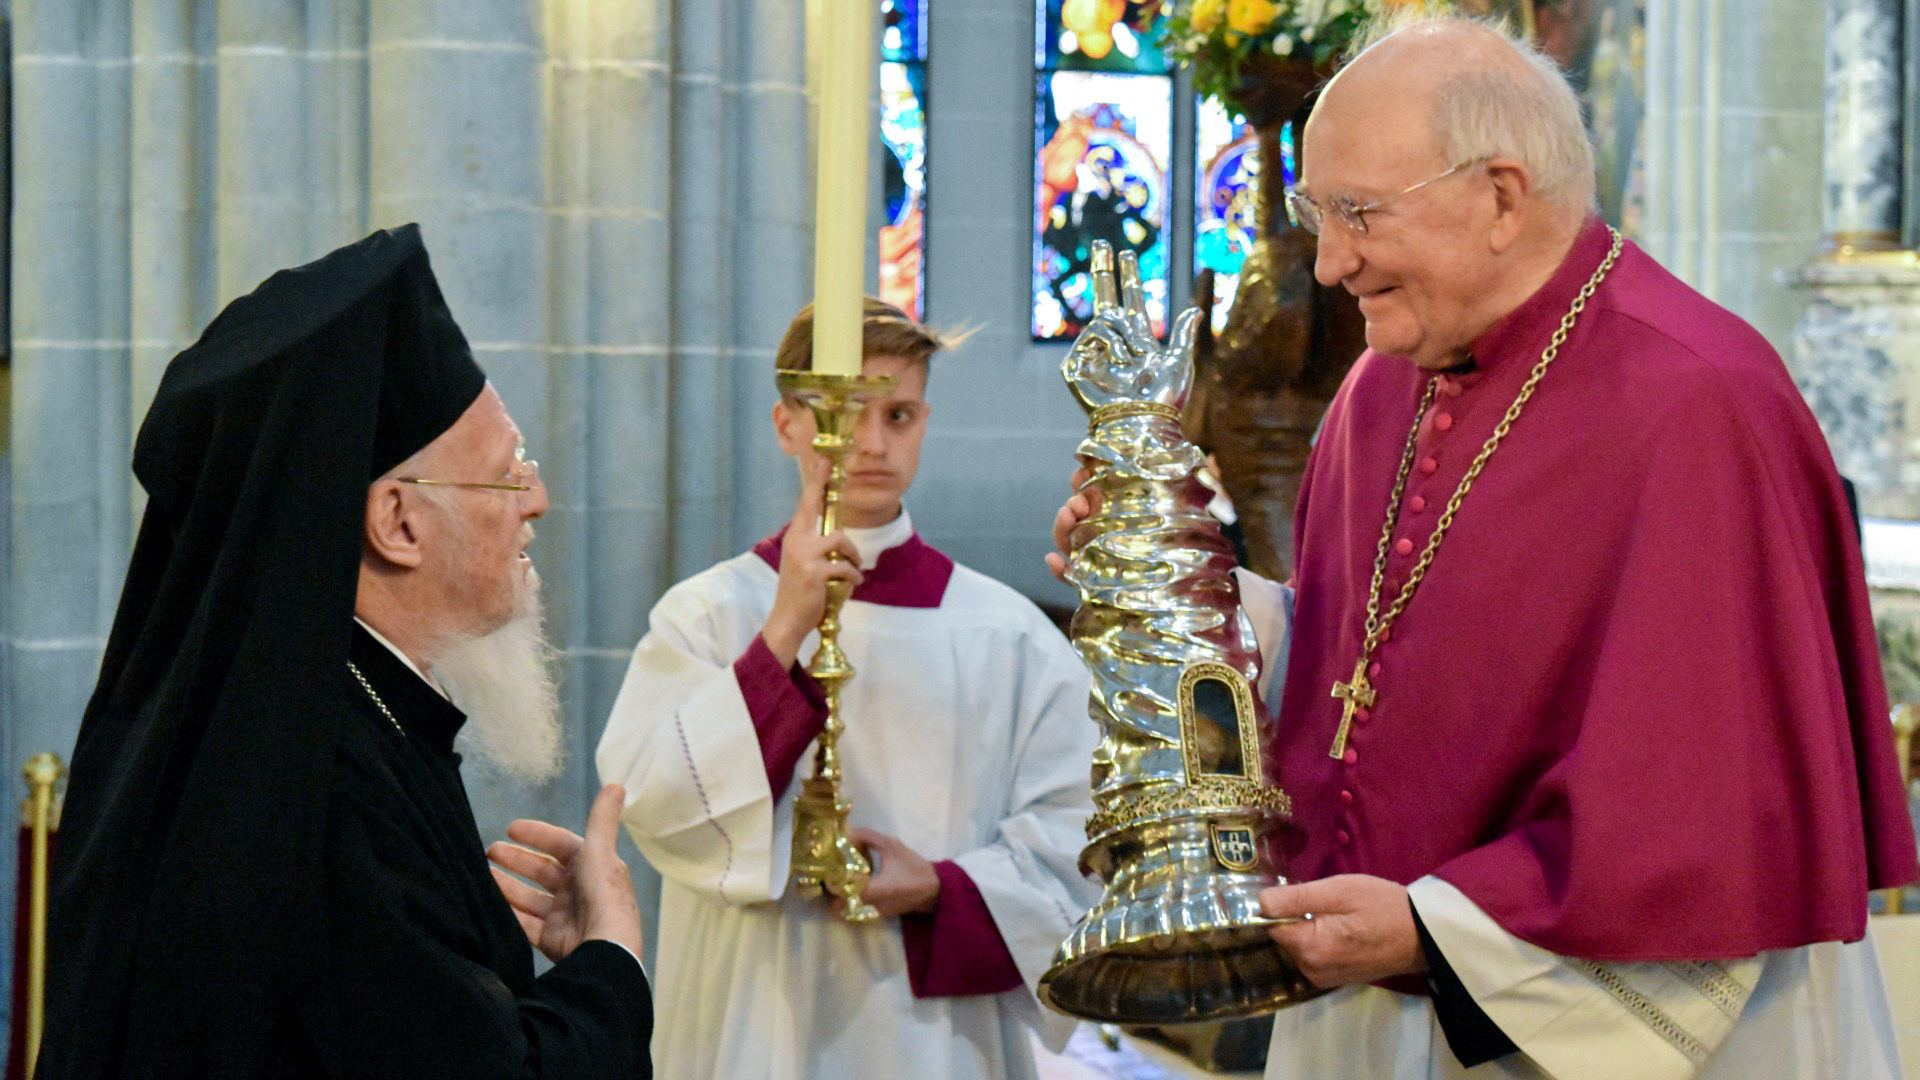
pixel 825 858
pixel 1906 718
pixel 43 772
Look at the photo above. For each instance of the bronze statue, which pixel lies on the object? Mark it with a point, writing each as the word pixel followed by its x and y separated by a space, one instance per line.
pixel 1262 384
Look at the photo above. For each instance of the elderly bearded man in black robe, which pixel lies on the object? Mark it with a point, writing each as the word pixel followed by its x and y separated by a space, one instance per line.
pixel 269 867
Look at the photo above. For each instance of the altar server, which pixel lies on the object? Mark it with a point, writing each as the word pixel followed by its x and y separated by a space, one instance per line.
pixel 966 752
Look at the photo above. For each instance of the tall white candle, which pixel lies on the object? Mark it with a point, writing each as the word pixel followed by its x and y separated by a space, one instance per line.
pixel 844 48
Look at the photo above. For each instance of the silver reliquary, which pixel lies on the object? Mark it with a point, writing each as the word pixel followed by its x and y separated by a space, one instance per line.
pixel 1187 827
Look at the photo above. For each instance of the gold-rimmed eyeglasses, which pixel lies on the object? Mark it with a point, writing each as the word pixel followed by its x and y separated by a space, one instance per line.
pixel 1307 214
pixel 524 473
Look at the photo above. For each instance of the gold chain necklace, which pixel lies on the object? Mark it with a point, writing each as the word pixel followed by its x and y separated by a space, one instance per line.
pixel 368 687
pixel 1359 693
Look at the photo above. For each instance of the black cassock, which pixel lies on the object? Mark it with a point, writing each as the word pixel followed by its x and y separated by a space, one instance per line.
pixel 427 966
pixel 257 875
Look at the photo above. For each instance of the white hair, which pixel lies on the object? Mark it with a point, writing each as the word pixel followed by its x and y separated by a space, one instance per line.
pixel 1533 117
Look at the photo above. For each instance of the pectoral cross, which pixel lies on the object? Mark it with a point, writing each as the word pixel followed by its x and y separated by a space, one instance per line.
pixel 1357 695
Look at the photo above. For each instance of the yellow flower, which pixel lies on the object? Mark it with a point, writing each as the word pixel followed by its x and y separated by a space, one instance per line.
pixel 1207 15
pixel 1092 24
pixel 1251 16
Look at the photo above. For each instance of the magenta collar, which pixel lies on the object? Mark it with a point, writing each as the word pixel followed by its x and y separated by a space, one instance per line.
pixel 1519 337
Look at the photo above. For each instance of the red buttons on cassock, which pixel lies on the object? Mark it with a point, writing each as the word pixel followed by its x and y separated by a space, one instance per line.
pixel 1342 838
pixel 1444 421
pixel 1351 757
pixel 1363 714
pixel 1419 503
pixel 1346 797
pixel 1373 670
pixel 1429 466
pixel 1403 546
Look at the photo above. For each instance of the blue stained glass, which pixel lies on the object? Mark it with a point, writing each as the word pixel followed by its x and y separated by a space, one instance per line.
pixel 903 30
pixel 903 136
pixel 1102 35
pixel 1225 194
pixel 1102 143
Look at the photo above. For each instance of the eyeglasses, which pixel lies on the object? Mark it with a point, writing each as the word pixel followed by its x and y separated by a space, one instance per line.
pixel 1306 214
pixel 525 472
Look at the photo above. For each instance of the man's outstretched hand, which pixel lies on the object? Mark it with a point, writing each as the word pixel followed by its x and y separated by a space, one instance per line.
pixel 584 892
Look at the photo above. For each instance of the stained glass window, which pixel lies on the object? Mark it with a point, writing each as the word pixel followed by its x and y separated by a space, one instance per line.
pixel 1226 178
pixel 1103 134
pixel 903 157
pixel 903 33
pixel 1226 173
pixel 1102 35
pixel 903 154
pixel 903 131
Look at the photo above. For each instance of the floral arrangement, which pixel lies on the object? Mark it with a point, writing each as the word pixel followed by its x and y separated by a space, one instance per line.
pixel 1218 39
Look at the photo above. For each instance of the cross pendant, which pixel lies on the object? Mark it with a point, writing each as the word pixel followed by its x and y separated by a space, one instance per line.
pixel 1357 695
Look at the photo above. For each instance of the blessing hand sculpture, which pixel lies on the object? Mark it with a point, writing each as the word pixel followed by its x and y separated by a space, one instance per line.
pixel 1117 358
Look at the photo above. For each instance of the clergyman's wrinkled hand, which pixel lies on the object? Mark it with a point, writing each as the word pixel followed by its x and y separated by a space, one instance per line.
pixel 581 890
pixel 1345 929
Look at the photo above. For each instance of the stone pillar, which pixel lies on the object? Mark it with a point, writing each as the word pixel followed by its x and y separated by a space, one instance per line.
pixel 1863 157
pixel 1732 189
pixel 1856 350
pixel 1857 359
pixel 606 191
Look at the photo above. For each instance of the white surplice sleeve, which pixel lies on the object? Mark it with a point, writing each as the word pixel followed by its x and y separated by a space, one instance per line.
pixel 1578 1018
pixel 1029 873
pixel 681 741
pixel 1268 606
pixel 1816 1011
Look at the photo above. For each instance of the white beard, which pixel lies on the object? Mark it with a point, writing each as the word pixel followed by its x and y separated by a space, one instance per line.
pixel 504 682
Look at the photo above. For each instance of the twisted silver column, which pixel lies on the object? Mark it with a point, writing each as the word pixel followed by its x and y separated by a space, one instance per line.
pixel 1186 830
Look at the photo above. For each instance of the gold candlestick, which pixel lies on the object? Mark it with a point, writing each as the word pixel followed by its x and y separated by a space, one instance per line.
pixel 825 858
